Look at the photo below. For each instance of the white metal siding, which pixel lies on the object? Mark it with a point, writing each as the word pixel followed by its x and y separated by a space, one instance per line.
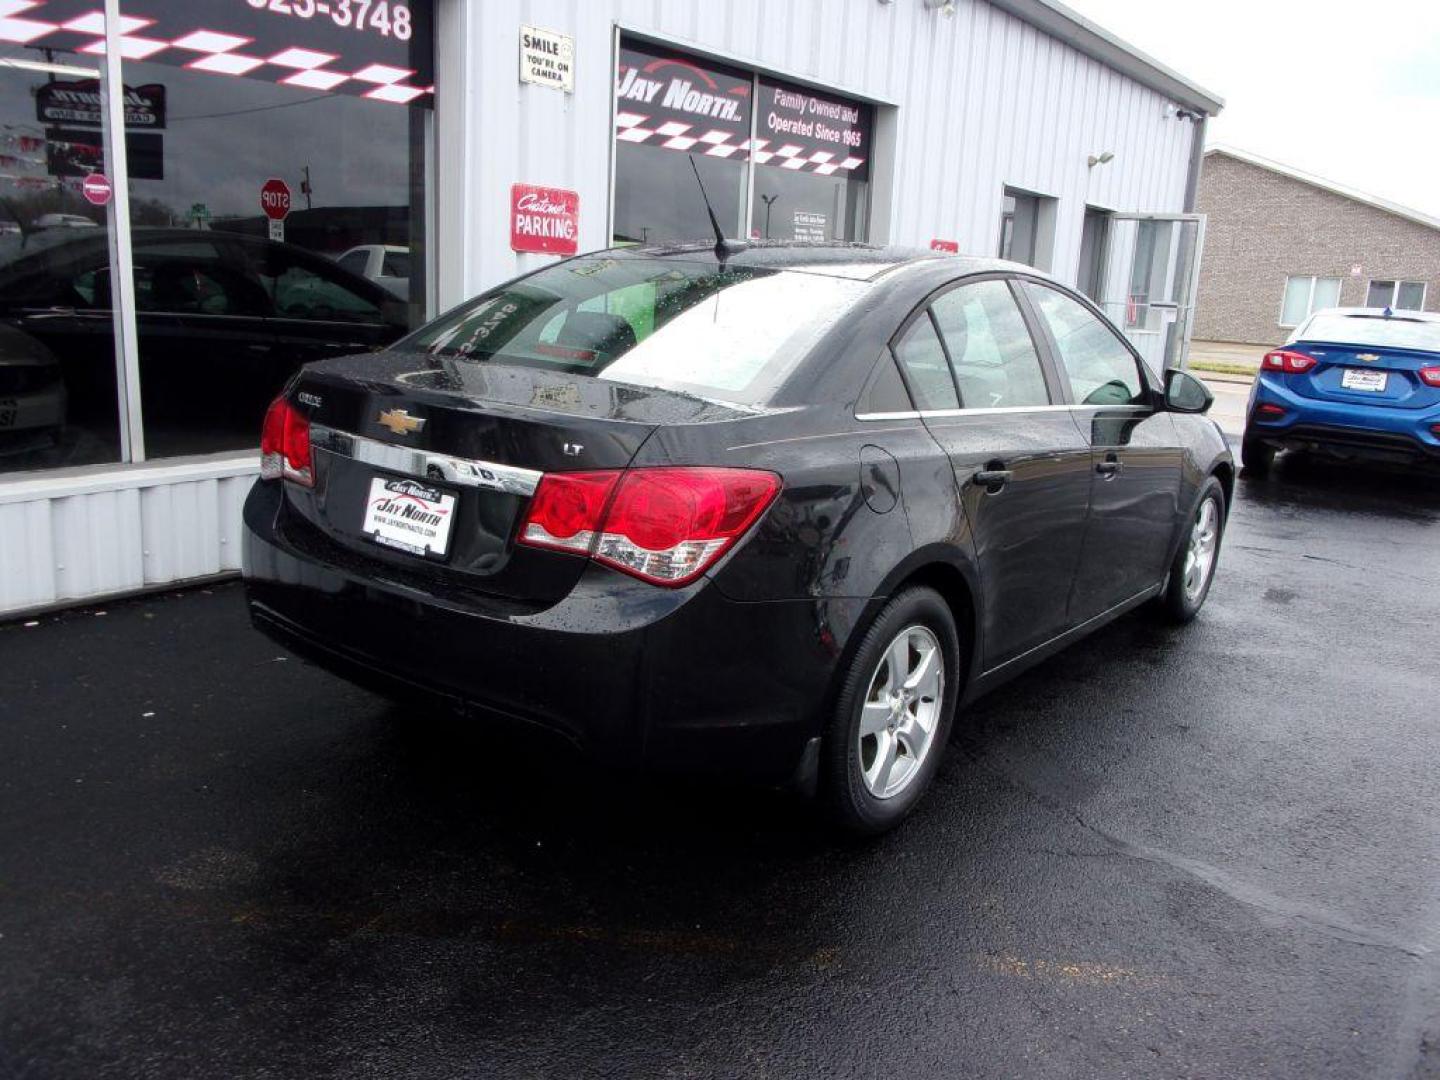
pixel 981 100
pixel 104 533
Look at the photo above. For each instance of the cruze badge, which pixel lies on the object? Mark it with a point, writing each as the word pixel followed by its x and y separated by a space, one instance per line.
pixel 1368 357
pixel 400 422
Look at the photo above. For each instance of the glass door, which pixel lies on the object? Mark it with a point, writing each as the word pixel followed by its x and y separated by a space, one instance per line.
pixel 1151 270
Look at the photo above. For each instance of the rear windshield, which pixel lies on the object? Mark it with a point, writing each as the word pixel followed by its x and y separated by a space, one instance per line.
pixel 731 335
pixel 1374 330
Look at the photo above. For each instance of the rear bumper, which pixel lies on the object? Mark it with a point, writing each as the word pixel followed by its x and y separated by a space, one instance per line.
pixel 666 679
pixel 1345 429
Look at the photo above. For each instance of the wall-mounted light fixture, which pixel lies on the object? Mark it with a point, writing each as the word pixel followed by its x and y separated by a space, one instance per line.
pixel 945 7
pixel 1103 158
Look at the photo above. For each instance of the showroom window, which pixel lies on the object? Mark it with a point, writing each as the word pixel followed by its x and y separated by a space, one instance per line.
pixel 778 161
pixel 1306 294
pixel 1396 295
pixel 232 111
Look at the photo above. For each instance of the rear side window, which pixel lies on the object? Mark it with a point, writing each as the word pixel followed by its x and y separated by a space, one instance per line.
pixel 990 347
pixel 732 334
pixel 885 392
pixel 926 367
pixel 1100 367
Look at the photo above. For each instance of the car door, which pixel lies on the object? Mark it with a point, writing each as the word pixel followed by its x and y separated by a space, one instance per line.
pixel 1021 468
pixel 1134 448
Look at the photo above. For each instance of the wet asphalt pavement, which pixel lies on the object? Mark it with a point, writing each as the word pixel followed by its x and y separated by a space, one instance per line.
pixel 1208 852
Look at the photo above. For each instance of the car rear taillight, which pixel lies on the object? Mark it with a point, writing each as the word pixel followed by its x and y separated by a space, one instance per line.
pixel 1268 412
pixel 1430 376
pixel 662 525
pixel 1291 363
pixel 285 444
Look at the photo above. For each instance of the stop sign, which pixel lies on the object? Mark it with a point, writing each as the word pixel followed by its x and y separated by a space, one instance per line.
pixel 275 199
pixel 96 189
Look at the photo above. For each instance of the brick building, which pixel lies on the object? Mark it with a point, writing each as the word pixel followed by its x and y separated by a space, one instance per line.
pixel 1280 243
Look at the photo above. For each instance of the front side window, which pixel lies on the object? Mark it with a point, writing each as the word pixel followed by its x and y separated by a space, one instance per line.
pixel 732 334
pixel 994 358
pixel 1099 365
pixel 926 367
pixel 1306 294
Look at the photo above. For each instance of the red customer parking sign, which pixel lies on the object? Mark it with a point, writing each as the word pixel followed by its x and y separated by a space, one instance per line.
pixel 544 219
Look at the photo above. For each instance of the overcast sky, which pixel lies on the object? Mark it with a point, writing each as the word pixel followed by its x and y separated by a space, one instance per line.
pixel 1349 91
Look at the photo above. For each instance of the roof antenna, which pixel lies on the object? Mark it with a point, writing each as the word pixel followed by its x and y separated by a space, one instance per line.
pixel 723 248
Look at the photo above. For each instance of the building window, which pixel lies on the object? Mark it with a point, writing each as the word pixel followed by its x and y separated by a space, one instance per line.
pixel 1396 295
pixel 777 161
pixel 1027 228
pixel 1305 294
pixel 230 100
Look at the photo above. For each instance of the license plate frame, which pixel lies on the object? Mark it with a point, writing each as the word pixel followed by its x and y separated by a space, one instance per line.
pixel 410 516
pixel 1364 380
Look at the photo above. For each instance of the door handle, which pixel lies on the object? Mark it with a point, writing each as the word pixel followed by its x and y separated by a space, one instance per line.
pixel 993 477
pixel 1110 467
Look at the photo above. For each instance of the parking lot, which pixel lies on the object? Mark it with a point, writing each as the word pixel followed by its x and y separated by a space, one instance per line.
pixel 1207 852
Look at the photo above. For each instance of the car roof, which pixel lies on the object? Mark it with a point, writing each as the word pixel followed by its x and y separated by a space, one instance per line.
pixel 862 262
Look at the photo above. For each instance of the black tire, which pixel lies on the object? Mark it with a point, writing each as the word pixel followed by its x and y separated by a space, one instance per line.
pixel 1178 603
pixel 844 792
pixel 1256 456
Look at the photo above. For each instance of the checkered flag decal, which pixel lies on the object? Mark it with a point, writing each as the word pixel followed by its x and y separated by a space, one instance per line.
pixel 205 50
pixel 673 135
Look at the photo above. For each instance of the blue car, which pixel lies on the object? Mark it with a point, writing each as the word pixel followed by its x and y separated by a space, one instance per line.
pixel 1352 383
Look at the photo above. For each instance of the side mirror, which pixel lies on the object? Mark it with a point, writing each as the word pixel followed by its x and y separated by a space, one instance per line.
pixel 1184 393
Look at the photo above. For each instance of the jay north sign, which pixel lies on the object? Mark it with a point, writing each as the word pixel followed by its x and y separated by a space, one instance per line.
pixel 679 102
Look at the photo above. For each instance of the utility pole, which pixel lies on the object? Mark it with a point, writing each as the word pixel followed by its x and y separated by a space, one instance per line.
pixel 769 201
pixel 305 188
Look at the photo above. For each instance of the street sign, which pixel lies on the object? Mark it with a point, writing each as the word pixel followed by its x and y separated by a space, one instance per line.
pixel 199 212
pixel 277 230
pixel 96 189
pixel 275 199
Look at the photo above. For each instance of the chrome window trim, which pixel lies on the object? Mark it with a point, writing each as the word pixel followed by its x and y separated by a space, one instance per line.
pixel 425 465
pixel 935 414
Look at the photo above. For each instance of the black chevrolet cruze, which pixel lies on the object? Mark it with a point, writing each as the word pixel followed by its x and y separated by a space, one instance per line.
pixel 779 511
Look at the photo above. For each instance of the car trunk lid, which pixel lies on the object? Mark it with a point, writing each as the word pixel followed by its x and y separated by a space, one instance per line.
pixel 1367 375
pixel 401 441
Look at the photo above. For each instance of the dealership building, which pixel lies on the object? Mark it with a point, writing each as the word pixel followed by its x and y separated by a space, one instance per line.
pixel 276 181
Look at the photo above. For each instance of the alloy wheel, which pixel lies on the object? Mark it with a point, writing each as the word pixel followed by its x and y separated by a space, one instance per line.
pixel 901 712
pixel 1200 555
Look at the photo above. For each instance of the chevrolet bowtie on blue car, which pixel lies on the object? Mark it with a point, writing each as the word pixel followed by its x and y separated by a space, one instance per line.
pixel 777 511
pixel 1352 383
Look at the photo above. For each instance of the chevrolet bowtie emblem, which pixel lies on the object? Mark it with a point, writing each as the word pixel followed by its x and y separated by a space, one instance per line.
pixel 400 422
pixel 1368 357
